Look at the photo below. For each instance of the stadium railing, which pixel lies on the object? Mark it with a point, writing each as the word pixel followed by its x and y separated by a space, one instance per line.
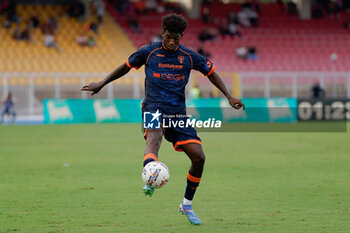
pixel 31 88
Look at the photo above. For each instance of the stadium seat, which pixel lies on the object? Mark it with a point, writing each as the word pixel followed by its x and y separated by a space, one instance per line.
pixel 283 42
pixel 112 49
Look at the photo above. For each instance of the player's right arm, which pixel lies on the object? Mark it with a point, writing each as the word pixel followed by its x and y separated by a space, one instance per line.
pixel 115 74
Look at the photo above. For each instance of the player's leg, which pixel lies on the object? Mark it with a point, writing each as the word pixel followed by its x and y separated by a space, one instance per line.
pixel 195 152
pixel 13 116
pixel 3 113
pixel 153 139
pixel 187 140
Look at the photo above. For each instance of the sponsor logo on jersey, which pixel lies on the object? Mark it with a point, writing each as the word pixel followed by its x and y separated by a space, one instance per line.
pixel 171 77
pixel 170 66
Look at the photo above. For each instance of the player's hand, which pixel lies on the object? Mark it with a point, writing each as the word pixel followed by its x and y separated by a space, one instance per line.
pixel 93 87
pixel 236 103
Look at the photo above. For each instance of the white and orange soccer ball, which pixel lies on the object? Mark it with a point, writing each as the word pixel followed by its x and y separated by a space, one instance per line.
pixel 155 174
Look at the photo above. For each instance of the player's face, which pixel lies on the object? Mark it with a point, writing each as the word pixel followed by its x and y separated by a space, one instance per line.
pixel 171 40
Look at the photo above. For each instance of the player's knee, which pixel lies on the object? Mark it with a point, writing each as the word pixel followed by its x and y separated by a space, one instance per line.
pixel 202 158
pixel 154 140
pixel 199 159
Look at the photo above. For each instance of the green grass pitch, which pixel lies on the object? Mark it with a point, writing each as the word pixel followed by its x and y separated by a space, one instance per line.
pixel 87 178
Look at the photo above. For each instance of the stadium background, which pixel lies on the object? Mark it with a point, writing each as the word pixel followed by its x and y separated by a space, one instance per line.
pixel 292 52
pixel 297 45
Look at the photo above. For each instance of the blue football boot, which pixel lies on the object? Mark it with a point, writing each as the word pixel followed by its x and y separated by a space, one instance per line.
pixel 187 210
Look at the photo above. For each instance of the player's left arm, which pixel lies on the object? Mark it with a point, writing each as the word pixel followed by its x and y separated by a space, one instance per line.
pixel 217 82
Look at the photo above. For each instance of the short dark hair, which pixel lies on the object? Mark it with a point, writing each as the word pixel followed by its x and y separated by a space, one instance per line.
pixel 174 23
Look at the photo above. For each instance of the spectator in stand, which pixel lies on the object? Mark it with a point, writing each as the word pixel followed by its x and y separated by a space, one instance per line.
pixel 77 10
pixel 292 8
pixel 232 18
pixel 206 17
pixel 160 8
pixel 91 41
pixel 100 7
pixel 243 18
pixel 224 29
pixel 233 30
pixel 16 35
pixel 252 15
pixel 207 34
pixel 207 2
pixel 140 7
pixel 332 8
pixel 82 39
pixel 7 6
pixel 157 38
pixel 340 5
pixel 6 24
pixel 317 91
pixel 229 29
pixel 12 16
pixel 172 7
pixel 280 4
pixel 133 24
pixel 253 5
pixel 50 26
pixel 252 54
pixel 202 52
pixel 253 18
pixel 317 11
pixel 49 42
pixel 334 57
pixel 122 6
pixel 247 16
pixel 151 6
pixel 25 34
pixel 35 21
pixel 242 52
pixel 92 26
pixel 22 35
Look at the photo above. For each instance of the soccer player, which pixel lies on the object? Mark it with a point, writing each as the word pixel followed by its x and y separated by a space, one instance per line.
pixel 167 68
pixel 9 104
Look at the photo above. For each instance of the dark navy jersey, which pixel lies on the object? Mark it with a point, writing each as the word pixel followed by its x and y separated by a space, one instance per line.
pixel 167 73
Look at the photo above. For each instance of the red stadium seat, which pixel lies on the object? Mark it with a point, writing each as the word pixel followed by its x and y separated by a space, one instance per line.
pixel 283 42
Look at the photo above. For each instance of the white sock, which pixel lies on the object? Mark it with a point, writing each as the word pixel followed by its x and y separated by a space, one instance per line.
pixel 186 202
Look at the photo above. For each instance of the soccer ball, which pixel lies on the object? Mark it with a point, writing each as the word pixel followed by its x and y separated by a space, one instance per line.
pixel 155 174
